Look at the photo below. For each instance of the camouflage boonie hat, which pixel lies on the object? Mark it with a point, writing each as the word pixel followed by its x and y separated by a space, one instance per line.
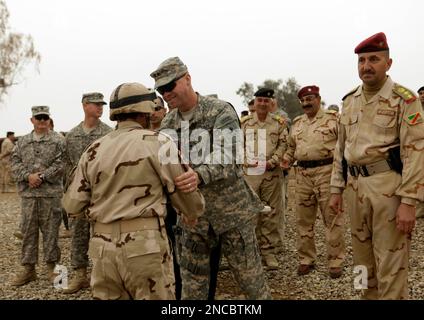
pixel 169 70
pixel 93 97
pixel 131 98
pixel 36 110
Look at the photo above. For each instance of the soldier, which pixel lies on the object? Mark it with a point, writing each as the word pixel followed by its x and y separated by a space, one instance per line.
pixel 119 183
pixel 334 107
pixel 251 106
pixel 7 183
pixel 158 114
pixel 231 206
pixel 77 140
pixel 381 128
pixel 268 183
pixel 420 204
pixel 312 140
pixel 37 165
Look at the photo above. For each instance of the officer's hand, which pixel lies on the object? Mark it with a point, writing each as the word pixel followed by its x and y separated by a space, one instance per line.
pixel 336 203
pixel 188 181
pixel 251 164
pixel 189 222
pixel 285 164
pixel 34 180
pixel 405 218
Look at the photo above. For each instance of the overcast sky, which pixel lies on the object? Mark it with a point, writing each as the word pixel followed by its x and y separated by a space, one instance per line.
pixel 95 45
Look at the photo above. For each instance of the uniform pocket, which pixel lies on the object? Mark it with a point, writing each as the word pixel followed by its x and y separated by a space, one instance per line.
pixel 146 242
pixel 95 249
pixel 385 128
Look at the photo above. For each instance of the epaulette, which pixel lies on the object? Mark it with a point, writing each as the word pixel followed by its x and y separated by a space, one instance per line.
pixel 279 118
pixel 404 93
pixel 297 119
pixel 245 118
pixel 350 93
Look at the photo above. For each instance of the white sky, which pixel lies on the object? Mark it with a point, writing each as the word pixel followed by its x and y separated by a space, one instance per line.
pixel 95 45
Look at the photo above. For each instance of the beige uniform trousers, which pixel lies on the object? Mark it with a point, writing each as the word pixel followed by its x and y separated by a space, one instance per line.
pixel 376 242
pixel 268 231
pixel 420 210
pixel 313 190
pixel 7 183
pixel 136 266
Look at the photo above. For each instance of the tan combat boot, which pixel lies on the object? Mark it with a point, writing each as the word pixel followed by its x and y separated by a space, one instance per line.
pixel 79 282
pixel 270 262
pixel 28 274
pixel 51 274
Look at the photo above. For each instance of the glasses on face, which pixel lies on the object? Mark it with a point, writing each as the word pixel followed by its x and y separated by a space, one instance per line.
pixel 41 117
pixel 307 99
pixel 169 86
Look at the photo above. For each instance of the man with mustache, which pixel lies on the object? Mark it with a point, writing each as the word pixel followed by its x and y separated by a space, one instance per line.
pixel 381 137
pixel 312 140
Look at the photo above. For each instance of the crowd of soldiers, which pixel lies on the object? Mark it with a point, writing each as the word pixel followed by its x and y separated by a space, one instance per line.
pixel 127 197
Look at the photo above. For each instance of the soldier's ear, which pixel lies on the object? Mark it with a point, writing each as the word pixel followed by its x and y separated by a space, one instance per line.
pixel 389 64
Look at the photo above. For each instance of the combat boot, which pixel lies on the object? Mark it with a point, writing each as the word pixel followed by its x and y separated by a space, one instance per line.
pixel 50 271
pixel 270 262
pixel 28 274
pixel 79 282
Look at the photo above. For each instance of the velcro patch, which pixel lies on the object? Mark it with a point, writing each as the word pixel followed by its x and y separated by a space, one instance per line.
pixel 386 112
pixel 415 118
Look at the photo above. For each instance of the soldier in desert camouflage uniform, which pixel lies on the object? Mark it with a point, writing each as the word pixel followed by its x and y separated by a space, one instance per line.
pixel 77 141
pixel 231 206
pixel 268 182
pixel 119 183
pixel 7 183
pixel 37 165
pixel 420 204
pixel 312 139
pixel 378 118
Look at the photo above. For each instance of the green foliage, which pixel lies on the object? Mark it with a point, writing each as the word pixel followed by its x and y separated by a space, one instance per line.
pixel 16 51
pixel 285 93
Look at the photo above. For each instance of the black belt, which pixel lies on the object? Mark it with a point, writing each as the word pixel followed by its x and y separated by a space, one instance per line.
pixel 314 163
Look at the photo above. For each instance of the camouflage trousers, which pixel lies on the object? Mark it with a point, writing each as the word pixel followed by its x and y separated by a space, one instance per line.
pixel 80 240
pixel 42 214
pixel 136 266
pixel 268 229
pixel 313 190
pixel 239 246
pixel 376 242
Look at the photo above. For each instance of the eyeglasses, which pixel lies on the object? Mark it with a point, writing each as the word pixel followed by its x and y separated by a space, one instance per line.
pixel 307 99
pixel 169 86
pixel 40 117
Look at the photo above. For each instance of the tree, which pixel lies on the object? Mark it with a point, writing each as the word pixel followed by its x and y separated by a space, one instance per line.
pixel 16 51
pixel 285 93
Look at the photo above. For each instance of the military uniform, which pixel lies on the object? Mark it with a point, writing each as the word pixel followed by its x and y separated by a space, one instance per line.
pixel 41 205
pixel 367 131
pixel 119 184
pixel 7 183
pixel 311 143
pixel 420 204
pixel 267 185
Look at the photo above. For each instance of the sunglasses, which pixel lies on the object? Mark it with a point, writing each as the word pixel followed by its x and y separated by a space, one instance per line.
pixel 40 117
pixel 169 86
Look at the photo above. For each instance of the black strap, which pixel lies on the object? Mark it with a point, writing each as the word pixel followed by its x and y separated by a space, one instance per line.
pixel 132 100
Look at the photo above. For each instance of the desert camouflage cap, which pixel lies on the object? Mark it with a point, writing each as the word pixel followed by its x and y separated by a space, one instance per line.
pixel 169 70
pixel 36 110
pixel 93 97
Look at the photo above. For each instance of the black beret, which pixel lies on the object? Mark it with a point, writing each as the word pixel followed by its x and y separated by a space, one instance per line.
pixel 264 92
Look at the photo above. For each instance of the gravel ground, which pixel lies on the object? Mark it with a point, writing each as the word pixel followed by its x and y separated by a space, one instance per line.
pixel 284 283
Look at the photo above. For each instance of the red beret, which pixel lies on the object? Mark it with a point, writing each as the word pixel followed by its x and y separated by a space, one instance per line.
pixel 307 91
pixel 377 42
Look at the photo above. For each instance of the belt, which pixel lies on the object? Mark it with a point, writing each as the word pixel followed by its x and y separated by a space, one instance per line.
pixel 314 163
pixel 369 169
pixel 123 226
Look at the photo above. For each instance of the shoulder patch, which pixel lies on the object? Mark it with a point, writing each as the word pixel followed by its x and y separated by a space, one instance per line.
pixel 414 118
pixel 350 93
pixel 245 118
pixel 279 118
pixel 404 93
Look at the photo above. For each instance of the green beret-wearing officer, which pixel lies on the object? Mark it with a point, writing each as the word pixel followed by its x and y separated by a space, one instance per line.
pixel 381 137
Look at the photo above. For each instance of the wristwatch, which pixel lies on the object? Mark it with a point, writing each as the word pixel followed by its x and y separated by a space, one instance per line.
pixel 41 176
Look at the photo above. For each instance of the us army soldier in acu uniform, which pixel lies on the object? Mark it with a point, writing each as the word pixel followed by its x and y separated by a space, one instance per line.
pixel 77 140
pixel 119 183
pixel 312 140
pixel 268 183
pixel 231 206
pixel 383 185
pixel 37 165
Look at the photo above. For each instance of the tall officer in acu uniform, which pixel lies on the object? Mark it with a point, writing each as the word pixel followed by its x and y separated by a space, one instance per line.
pixel 381 137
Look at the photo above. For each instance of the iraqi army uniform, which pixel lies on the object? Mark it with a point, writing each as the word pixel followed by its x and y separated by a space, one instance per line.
pixel 392 118
pixel 7 183
pixel 311 143
pixel 267 185
pixel 120 183
pixel 420 204
pixel 77 141
pixel 40 206
pixel 231 205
